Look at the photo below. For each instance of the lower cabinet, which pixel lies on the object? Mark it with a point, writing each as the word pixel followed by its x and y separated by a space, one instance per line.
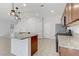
pixel 68 52
pixel 34 44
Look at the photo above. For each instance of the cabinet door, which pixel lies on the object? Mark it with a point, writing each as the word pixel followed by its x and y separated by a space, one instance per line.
pixel 34 44
pixel 67 13
pixel 68 52
pixel 75 11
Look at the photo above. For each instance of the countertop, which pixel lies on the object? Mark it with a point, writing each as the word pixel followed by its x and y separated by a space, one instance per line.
pixel 71 42
pixel 22 35
pixel 61 34
pixel 67 34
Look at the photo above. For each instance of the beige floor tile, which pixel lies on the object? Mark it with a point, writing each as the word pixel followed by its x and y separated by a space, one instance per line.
pixel 46 47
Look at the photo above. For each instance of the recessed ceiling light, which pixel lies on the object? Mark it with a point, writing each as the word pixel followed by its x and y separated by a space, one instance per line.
pixel 52 11
pixel 24 5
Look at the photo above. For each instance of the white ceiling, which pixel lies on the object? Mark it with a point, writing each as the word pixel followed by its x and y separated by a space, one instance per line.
pixel 34 9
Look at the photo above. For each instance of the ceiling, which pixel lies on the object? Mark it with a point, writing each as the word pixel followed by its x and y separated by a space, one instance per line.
pixel 32 10
pixel 35 9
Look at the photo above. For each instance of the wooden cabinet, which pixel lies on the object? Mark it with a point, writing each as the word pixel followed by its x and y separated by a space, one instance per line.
pixel 34 44
pixel 75 11
pixel 68 52
pixel 71 12
pixel 67 13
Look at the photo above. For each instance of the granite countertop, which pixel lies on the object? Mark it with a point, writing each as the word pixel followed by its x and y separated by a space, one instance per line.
pixel 66 34
pixel 71 42
pixel 22 35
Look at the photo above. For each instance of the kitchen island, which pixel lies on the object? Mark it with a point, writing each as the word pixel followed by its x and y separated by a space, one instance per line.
pixel 69 45
pixel 24 44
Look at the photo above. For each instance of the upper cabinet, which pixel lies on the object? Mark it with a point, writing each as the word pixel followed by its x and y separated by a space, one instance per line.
pixel 71 12
pixel 67 13
pixel 75 11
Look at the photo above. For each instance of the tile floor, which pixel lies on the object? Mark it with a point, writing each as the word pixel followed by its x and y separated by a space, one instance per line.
pixel 5 45
pixel 46 48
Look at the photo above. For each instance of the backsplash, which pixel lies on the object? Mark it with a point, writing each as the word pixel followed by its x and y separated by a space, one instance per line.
pixel 75 29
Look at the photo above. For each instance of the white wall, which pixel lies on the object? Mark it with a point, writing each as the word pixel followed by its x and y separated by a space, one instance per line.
pixel 30 24
pixel 4 27
pixel 49 27
pixel 75 29
pixel 5 19
pixel 34 25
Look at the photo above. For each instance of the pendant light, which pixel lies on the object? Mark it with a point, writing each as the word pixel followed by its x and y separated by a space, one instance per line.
pixel 12 12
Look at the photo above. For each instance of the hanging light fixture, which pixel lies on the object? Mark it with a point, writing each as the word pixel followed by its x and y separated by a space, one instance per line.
pixel 14 12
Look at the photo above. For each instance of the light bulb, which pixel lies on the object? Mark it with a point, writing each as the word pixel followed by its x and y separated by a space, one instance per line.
pixel 9 14
pixel 24 5
pixel 13 13
pixel 16 17
pixel 52 11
